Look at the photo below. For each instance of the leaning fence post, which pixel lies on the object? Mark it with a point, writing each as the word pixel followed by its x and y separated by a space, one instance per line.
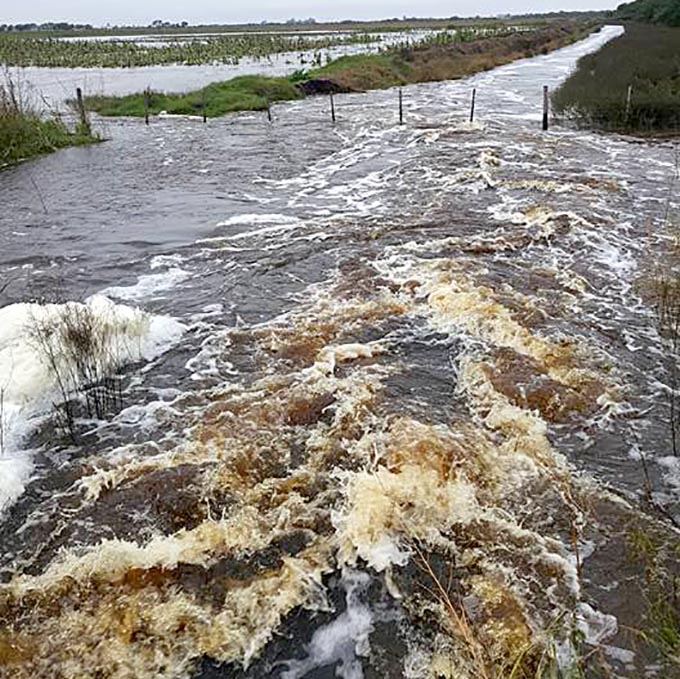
pixel 472 104
pixel 269 112
pixel 203 104
pixel 545 107
pixel 147 105
pixel 81 109
pixel 401 107
pixel 332 109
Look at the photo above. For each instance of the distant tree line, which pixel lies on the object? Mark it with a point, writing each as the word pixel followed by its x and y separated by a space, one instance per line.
pixel 299 22
pixel 66 26
pixel 51 26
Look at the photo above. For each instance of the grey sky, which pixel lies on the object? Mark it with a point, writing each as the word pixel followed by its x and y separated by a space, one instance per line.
pixel 220 11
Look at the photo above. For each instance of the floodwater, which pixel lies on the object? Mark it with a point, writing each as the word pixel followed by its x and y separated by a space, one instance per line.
pixel 381 412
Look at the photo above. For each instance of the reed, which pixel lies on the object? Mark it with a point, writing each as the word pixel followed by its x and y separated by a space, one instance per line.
pixel 25 133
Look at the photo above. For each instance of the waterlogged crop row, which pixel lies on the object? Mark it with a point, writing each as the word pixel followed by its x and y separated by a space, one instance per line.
pixel 16 50
pixel 224 49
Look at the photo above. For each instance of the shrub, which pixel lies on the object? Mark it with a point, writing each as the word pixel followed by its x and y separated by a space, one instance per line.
pixel 645 58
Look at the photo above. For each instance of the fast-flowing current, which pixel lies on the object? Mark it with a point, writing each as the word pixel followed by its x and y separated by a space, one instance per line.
pixel 356 400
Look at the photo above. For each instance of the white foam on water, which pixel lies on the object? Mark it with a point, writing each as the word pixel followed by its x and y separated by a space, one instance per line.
pixel 343 640
pixel 596 627
pixel 36 368
pixel 15 470
pixel 671 466
pixel 267 223
pixel 148 285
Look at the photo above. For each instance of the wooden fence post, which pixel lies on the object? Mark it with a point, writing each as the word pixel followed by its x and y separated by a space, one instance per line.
pixel 81 109
pixel 147 104
pixel 545 107
pixel 269 112
pixel 203 104
pixel 332 108
pixel 472 104
pixel 401 107
pixel 629 99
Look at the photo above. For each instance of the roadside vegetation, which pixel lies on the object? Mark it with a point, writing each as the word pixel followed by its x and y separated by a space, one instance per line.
pixel 24 133
pixel 444 56
pixel 645 59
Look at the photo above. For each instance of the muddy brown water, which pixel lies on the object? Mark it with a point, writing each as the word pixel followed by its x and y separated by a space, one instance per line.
pixel 415 356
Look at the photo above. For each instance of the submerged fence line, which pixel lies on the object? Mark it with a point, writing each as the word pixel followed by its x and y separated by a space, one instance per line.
pixel 203 106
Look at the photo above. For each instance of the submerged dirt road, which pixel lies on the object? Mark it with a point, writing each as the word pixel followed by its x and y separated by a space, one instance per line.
pixel 383 413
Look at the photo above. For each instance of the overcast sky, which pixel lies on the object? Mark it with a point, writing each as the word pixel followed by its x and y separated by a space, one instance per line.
pixel 100 12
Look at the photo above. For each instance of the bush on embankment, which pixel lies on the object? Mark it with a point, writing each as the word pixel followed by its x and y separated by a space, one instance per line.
pixel 647 58
pixel 650 12
pixel 24 133
pixel 425 63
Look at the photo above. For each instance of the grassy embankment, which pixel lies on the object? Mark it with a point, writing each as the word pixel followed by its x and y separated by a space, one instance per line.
pixel 646 58
pixel 24 133
pixel 439 58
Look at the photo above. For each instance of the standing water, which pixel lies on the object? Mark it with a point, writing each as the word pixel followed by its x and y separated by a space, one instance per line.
pixel 382 397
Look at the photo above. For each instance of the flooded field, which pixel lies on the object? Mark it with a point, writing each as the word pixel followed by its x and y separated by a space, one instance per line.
pixel 51 87
pixel 381 400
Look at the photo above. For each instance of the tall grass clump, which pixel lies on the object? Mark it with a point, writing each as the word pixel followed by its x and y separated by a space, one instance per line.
pixel 645 59
pixel 81 350
pixel 661 588
pixel 24 133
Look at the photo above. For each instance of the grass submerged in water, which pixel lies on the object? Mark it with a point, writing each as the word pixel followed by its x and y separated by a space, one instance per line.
pixel 246 93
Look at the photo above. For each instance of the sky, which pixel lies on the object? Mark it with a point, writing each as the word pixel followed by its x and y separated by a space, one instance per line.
pixel 133 12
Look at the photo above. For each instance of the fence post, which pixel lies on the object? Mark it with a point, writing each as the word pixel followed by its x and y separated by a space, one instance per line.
pixel 545 107
pixel 147 104
pixel 472 104
pixel 81 109
pixel 401 107
pixel 269 112
pixel 332 108
pixel 629 98
pixel 203 104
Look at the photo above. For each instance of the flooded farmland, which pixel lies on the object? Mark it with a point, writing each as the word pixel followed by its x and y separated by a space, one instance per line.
pixel 381 400
pixel 51 87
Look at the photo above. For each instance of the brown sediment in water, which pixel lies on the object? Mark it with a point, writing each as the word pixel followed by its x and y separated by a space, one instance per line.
pixel 528 385
pixel 301 473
